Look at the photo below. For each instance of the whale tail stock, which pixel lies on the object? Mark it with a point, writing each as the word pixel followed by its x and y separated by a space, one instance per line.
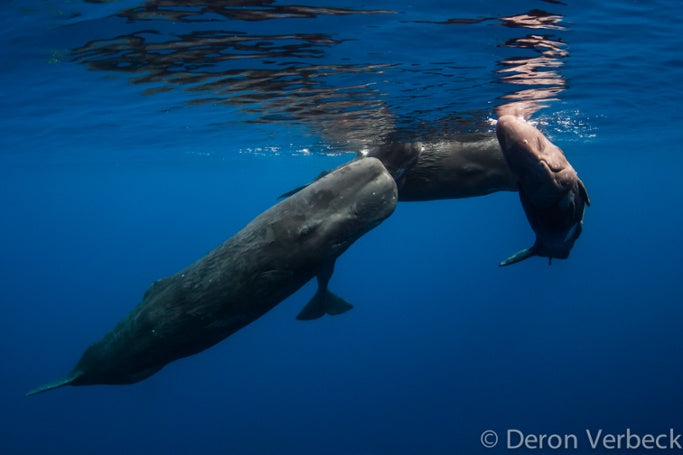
pixel 68 380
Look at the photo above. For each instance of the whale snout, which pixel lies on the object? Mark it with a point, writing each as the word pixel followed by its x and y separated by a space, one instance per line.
pixel 364 188
pixel 521 143
pixel 362 195
pixel 377 198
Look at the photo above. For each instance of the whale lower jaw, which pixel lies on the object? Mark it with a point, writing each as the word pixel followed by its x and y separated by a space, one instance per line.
pixel 68 380
pixel 519 256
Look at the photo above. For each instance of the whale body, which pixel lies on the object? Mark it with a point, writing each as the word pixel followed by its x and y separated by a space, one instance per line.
pixel 239 281
pixel 467 165
pixel 552 195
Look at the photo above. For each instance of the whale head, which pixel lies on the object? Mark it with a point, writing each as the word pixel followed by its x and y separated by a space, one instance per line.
pixel 552 195
pixel 345 204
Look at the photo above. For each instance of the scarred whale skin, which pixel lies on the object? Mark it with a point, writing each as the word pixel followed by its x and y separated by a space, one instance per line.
pixel 552 195
pixel 465 166
pixel 239 281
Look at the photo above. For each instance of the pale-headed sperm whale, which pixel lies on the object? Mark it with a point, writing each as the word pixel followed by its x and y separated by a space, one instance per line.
pixel 552 195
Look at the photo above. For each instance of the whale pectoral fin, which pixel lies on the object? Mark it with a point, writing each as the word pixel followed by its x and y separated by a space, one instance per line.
pixel 292 192
pixel 574 232
pixel 584 193
pixel 519 256
pixel 313 310
pixel 323 302
pixel 334 304
pixel 55 384
pixel 299 188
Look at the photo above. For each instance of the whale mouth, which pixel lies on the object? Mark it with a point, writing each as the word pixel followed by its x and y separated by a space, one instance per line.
pixel 556 167
pixel 68 380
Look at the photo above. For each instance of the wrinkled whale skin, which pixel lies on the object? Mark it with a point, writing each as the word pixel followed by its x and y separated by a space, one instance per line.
pixel 551 193
pixel 466 166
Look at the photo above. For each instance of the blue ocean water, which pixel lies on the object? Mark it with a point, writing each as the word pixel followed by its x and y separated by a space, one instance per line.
pixel 136 136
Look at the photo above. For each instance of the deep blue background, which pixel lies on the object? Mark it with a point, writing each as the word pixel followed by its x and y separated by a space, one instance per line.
pixel 103 190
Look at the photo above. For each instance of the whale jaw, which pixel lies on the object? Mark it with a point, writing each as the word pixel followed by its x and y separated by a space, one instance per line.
pixel 68 380
pixel 519 256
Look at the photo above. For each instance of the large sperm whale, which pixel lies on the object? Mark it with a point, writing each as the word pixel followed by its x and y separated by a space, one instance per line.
pixel 465 166
pixel 242 279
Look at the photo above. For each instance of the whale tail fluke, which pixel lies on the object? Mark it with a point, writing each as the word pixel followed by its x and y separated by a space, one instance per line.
pixel 55 384
pixel 323 302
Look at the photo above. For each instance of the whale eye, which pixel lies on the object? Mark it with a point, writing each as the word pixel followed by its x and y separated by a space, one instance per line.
pixel 306 230
pixel 323 198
